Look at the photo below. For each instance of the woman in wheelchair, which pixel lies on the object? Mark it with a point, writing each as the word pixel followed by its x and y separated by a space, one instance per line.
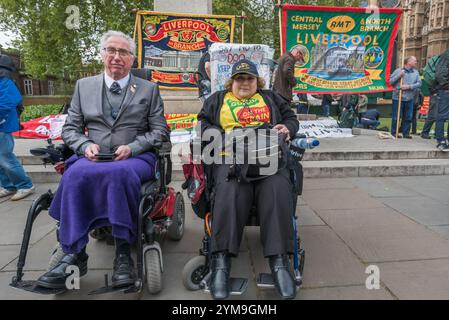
pixel 124 119
pixel 245 104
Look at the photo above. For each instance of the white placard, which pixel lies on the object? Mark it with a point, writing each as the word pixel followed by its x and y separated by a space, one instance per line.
pixel 224 55
pixel 326 128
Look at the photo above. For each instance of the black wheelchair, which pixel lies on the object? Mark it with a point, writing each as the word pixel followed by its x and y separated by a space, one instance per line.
pixel 161 213
pixel 196 272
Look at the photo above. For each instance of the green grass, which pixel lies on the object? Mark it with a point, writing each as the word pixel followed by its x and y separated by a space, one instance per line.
pixel 37 111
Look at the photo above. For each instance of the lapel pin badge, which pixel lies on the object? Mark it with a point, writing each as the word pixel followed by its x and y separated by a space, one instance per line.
pixel 133 88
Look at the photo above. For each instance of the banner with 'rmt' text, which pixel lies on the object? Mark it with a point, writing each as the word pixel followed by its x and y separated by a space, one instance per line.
pixel 345 50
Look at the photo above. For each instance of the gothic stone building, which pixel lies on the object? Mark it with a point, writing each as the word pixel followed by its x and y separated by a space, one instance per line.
pixel 427 31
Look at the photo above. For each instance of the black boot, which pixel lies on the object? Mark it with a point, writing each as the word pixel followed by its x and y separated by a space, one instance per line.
pixel 283 279
pixel 220 285
pixel 56 277
pixel 123 274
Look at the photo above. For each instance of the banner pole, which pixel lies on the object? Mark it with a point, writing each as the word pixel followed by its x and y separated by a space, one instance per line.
pixel 135 27
pixel 279 5
pixel 398 112
pixel 243 27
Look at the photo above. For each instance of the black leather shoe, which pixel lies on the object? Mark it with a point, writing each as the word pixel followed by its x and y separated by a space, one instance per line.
pixel 123 274
pixel 425 136
pixel 56 277
pixel 283 279
pixel 220 284
pixel 101 233
pixel 408 137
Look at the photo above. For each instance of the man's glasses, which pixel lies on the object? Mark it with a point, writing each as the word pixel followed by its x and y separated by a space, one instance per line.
pixel 112 51
pixel 243 79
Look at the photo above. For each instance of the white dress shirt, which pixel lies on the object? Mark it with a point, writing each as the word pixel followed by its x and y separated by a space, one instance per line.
pixel 123 82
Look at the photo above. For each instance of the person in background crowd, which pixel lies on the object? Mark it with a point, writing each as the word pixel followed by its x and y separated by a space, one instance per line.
pixel 431 114
pixel 326 103
pixel 362 106
pixel 302 106
pixel 13 179
pixel 348 117
pixel 442 88
pixel 204 84
pixel 370 119
pixel 411 82
pixel 285 73
pixel 417 103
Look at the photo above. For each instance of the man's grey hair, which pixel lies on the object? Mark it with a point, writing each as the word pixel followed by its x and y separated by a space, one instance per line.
pixel 299 49
pixel 111 33
pixel 409 58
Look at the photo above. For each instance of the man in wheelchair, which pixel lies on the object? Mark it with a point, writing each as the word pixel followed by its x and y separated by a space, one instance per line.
pixel 124 119
pixel 237 187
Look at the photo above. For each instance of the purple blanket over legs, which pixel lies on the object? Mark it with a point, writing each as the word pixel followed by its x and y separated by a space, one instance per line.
pixel 97 194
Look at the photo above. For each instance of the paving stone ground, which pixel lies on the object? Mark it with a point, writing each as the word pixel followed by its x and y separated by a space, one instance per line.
pixel 400 225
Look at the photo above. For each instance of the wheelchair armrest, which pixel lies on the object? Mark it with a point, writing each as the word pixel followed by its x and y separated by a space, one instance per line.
pixel 48 155
pixel 164 163
pixel 297 153
pixel 299 136
pixel 65 151
pixel 164 150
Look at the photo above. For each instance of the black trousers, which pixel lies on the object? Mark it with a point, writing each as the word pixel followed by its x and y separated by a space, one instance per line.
pixel 273 197
pixel 431 114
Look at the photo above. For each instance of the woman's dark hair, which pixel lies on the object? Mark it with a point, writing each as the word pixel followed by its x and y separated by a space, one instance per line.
pixel 260 83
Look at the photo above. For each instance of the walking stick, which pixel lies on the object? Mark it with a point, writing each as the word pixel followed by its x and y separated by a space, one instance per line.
pixel 404 25
pixel 398 112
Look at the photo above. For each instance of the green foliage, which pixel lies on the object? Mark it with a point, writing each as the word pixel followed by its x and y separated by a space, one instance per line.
pixel 49 47
pixel 37 111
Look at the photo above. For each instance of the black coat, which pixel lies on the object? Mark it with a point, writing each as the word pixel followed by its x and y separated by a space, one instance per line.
pixel 442 72
pixel 280 111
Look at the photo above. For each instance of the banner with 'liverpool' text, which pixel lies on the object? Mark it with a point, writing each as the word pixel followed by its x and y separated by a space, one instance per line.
pixel 171 44
pixel 345 50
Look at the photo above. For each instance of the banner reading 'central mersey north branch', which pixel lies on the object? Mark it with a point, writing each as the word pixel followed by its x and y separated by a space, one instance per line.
pixel 345 49
pixel 171 44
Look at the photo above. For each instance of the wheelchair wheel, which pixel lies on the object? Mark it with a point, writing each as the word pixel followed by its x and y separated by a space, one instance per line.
pixel 56 256
pixel 194 272
pixel 176 229
pixel 153 271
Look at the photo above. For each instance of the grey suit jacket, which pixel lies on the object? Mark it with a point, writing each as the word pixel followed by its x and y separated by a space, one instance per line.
pixel 140 124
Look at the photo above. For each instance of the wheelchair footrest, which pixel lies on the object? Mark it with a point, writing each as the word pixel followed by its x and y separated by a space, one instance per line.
pixel 32 286
pixel 133 288
pixel 265 280
pixel 238 286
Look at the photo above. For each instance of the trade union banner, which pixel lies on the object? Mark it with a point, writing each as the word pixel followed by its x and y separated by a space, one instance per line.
pixel 171 44
pixel 346 50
